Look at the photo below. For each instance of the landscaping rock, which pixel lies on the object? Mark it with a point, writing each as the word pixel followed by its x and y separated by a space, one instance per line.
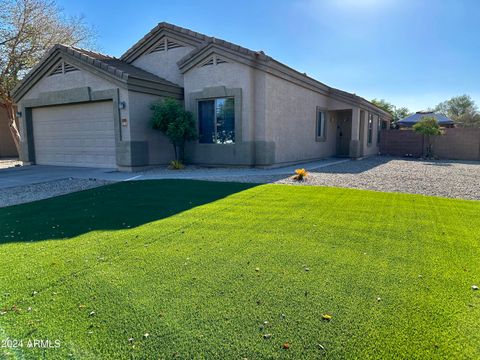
pixel 24 194
pixel 446 178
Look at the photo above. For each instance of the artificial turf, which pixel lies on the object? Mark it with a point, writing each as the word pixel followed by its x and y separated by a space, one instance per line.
pixel 200 266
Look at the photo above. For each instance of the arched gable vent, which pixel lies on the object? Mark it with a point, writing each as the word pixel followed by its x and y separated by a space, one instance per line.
pixel 63 68
pixel 214 60
pixel 166 44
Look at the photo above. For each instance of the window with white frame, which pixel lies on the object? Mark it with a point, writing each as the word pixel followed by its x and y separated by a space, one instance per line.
pixel 321 124
pixel 216 121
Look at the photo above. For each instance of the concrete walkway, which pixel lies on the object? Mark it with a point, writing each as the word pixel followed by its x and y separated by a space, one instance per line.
pixel 35 174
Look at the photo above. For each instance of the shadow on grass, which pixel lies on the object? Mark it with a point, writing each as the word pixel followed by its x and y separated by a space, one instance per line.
pixel 113 207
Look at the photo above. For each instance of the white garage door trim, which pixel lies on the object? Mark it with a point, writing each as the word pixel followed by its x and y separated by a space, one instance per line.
pixel 75 135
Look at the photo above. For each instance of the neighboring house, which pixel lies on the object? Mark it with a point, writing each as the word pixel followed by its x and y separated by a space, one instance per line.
pixel 411 120
pixel 7 145
pixel 83 108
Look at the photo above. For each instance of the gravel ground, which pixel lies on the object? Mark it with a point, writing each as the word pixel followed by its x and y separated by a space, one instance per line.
pixel 8 163
pixel 453 179
pixel 23 194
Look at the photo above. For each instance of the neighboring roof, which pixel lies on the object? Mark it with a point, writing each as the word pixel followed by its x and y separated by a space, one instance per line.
pixel 417 117
pixel 204 44
pixel 131 76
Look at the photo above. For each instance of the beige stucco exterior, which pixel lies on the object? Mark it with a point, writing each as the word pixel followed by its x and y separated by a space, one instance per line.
pixel 291 122
pixel 275 112
pixel 158 149
pixel 168 60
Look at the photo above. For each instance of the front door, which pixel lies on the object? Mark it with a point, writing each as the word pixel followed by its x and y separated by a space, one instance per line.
pixel 344 132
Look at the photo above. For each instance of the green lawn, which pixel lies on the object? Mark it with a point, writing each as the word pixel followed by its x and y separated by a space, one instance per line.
pixel 201 266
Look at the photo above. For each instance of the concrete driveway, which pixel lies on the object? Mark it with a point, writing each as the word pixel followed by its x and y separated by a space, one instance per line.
pixel 28 175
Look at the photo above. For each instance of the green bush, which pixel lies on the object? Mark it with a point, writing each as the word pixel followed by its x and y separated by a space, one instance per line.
pixel 428 126
pixel 177 124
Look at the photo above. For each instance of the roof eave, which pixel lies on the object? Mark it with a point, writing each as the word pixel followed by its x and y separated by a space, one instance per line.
pixel 154 88
pixel 81 61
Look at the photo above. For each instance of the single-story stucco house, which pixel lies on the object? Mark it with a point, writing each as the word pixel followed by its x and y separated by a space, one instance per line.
pixel 82 108
pixel 411 120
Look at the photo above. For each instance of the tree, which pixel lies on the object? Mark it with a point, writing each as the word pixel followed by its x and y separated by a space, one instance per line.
pixel 177 124
pixel 401 113
pixel 461 109
pixel 397 113
pixel 28 29
pixel 384 105
pixel 428 127
pixel 468 119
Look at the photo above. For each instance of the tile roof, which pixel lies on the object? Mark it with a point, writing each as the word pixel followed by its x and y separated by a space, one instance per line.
pixel 113 65
pixel 417 117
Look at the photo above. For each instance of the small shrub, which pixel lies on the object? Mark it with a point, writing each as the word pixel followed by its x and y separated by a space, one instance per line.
pixel 428 127
pixel 176 165
pixel 300 175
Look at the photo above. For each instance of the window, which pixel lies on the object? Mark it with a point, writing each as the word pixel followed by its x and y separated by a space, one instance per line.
pixel 321 124
pixel 216 121
pixel 379 129
pixel 370 129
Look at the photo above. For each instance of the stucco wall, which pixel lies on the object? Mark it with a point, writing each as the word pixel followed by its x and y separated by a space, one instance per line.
pixel 291 122
pixel 71 80
pixel 47 88
pixel 455 143
pixel 157 146
pixel 164 63
pixel 230 76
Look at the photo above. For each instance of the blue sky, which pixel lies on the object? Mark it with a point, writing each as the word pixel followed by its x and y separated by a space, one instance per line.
pixel 413 53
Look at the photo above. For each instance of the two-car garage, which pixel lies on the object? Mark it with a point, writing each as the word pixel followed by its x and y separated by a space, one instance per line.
pixel 75 135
